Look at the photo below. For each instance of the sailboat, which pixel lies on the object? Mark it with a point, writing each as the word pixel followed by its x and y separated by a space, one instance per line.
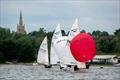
pixel 63 50
pixel 42 57
pixel 75 30
pixel 62 46
pixel 53 54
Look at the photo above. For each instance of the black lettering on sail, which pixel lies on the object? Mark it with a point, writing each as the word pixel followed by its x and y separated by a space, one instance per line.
pixel 60 41
pixel 74 30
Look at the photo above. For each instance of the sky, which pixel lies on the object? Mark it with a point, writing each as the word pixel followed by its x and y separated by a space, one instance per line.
pixel 103 15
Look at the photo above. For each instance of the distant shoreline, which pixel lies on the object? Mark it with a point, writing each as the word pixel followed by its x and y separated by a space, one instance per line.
pixel 16 63
pixel 31 64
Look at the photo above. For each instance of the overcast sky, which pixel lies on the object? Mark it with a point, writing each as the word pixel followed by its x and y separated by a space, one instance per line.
pixel 103 15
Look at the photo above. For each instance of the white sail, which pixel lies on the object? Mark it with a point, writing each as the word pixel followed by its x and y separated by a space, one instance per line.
pixel 63 51
pixel 53 55
pixel 75 30
pixel 43 53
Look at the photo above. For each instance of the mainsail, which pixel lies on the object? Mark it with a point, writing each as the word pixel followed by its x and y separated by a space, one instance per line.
pixel 43 53
pixel 75 30
pixel 63 51
pixel 53 55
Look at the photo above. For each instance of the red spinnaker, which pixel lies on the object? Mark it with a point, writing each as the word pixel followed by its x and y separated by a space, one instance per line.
pixel 83 47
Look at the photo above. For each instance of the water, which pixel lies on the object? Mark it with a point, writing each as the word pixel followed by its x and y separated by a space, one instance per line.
pixel 29 72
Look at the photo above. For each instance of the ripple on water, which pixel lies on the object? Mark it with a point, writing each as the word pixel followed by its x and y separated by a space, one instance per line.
pixel 25 72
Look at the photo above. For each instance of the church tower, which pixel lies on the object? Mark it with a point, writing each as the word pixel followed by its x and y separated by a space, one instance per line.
pixel 20 26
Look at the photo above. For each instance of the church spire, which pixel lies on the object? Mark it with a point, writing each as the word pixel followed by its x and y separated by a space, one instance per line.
pixel 20 21
pixel 20 26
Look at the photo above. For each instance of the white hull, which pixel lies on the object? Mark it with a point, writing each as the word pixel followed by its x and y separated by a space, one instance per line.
pixel 116 65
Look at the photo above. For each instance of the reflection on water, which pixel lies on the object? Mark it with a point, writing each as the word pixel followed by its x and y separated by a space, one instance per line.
pixel 29 72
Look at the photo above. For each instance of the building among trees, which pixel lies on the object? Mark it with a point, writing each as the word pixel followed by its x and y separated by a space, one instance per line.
pixel 20 26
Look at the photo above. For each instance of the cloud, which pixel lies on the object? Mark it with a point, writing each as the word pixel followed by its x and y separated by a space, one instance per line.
pixel 92 14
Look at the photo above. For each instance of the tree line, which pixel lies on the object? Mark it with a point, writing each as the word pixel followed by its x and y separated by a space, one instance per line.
pixel 24 47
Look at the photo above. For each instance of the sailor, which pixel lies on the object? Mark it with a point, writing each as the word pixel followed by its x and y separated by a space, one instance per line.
pixel 87 65
pixel 76 68
pixel 47 66
pixel 69 66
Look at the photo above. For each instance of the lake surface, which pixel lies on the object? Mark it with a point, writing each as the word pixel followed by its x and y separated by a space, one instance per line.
pixel 29 72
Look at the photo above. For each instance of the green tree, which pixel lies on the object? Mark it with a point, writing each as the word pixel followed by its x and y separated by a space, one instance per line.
pixel 82 31
pixel 4 33
pixel 9 49
pixel 104 33
pixel 26 50
pixel 117 32
pixel 2 59
pixel 116 41
pixel 96 34
pixel 103 42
